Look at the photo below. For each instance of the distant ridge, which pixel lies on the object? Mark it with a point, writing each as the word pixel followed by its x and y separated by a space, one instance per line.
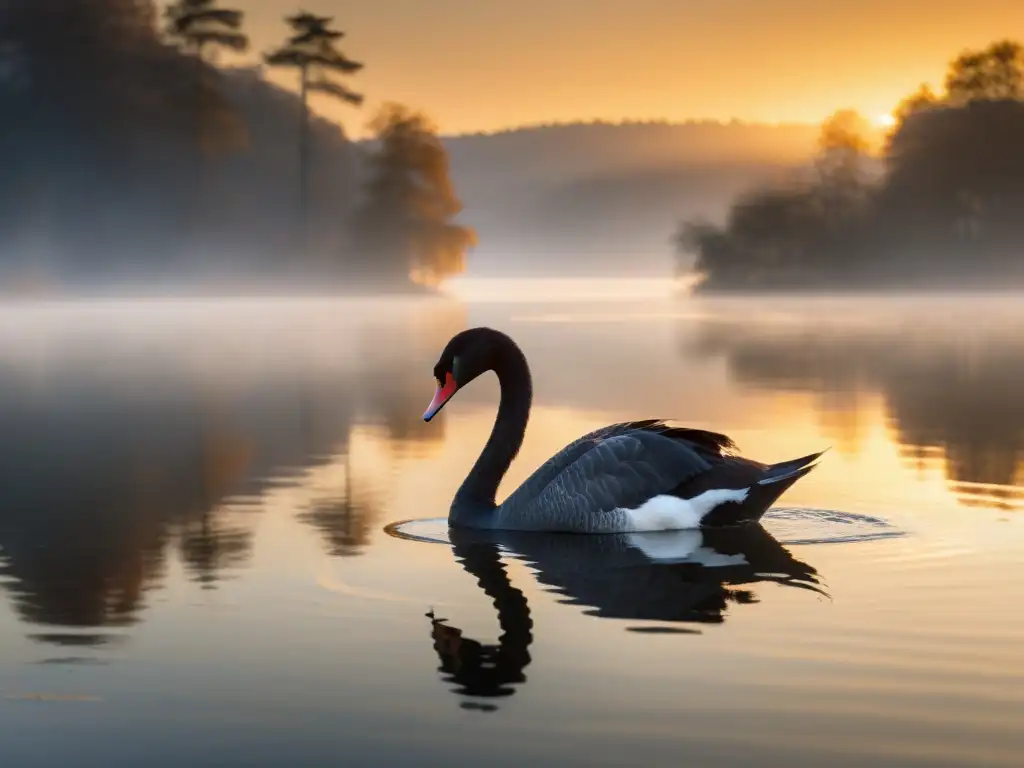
pixel 567 199
pixel 556 125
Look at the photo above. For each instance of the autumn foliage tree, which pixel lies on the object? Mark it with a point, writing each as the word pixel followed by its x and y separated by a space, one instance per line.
pixel 405 228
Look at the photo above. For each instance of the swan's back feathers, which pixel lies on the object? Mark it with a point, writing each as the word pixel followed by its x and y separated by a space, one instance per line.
pixel 704 441
pixel 710 444
pixel 645 476
pixel 602 474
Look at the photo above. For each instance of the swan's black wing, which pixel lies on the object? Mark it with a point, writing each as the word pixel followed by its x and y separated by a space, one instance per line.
pixel 710 444
pixel 621 468
pixel 550 469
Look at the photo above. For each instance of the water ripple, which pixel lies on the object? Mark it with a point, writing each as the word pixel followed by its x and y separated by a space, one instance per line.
pixel 788 525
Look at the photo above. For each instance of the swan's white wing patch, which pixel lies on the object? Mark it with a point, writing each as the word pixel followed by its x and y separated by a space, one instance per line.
pixel 671 513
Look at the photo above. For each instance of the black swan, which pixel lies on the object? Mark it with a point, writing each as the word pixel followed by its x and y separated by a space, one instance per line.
pixel 634 476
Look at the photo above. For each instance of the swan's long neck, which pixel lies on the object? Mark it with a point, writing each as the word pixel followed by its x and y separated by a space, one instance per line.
pixel 476 497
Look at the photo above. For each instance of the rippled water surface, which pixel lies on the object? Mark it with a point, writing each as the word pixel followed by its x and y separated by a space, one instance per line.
pixel 222 539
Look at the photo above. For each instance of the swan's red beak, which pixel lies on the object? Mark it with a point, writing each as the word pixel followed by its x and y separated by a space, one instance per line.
pixel 441 396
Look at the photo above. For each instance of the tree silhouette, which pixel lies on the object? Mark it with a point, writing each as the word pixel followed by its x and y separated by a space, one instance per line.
pixel 406 221
pixel 101 163
pixel 946 210
pixel 311 50
pixel 843 146
pixel 997 72
pixel 955 166
pixel 923 98
pixel 197 26
pixel 783 235
pixel 89 107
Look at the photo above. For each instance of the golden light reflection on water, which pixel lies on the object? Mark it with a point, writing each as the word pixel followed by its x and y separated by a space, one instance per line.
pixel 206 484
pixel 949 386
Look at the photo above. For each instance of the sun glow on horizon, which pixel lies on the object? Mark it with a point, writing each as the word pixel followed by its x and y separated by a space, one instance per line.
pixel 884 120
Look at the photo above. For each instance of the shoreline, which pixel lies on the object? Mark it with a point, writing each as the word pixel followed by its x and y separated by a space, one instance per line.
pixel 144 293
pixel 895 291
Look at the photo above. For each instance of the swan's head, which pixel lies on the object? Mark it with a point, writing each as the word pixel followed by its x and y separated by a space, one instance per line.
pixel 468 354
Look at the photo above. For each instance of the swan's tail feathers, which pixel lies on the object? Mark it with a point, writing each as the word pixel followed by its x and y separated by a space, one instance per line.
pixel 763 487
pixel 789 472
pixel 775 480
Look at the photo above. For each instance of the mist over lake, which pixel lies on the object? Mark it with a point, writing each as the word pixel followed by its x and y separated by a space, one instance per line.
pixel 461 384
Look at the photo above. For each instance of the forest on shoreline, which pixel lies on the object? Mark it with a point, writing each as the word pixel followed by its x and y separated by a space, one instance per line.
pixel 944 212
pixel 132 160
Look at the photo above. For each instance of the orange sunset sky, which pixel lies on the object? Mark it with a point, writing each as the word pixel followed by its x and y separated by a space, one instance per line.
pixel 483 65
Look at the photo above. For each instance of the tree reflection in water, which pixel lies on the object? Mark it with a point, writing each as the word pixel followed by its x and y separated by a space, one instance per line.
pixel 951 387
pixel 118 452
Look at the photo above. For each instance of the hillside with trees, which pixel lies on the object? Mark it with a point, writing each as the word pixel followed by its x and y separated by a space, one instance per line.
pixel 944 211
pixel 132 161
pixel 598 198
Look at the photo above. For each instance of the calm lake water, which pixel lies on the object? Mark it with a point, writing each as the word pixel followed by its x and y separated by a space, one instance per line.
pixel 199 566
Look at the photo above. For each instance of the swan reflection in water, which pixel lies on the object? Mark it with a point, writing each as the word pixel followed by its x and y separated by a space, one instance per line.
pixel 682 578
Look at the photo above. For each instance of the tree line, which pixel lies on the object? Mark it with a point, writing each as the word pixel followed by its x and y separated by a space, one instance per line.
pixel 939 206
pixel 130 155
